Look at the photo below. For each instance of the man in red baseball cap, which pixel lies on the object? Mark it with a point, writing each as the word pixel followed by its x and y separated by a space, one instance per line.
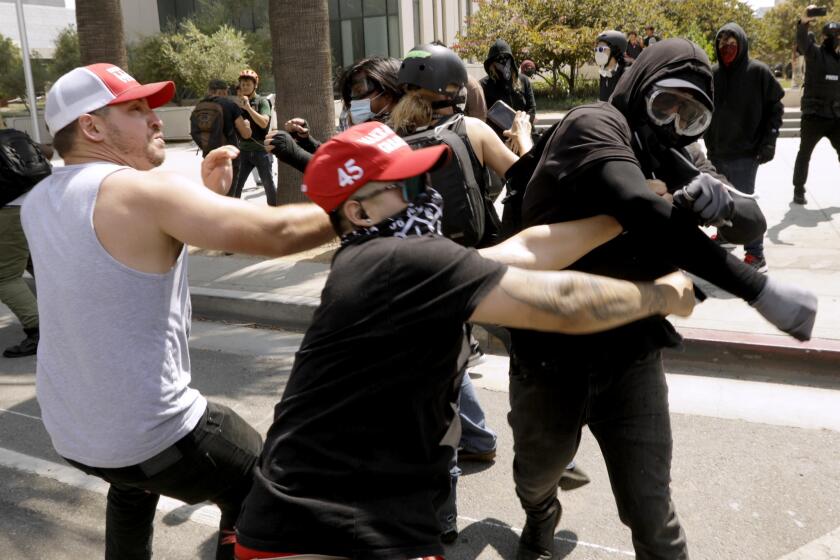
pixel 356 462
pixel 108 236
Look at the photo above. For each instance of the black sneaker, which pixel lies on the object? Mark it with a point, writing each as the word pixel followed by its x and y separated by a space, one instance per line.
pixel 537 539
pixel 799 198
pixel 573 478
pixel 27 347
pixel 449 537
pixel 757 262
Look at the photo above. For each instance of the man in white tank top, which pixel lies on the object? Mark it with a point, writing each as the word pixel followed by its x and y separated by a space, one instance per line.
pixel 108 236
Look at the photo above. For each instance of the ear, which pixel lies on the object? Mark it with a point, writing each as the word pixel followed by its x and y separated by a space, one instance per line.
pixel 92 128
pixel 355 214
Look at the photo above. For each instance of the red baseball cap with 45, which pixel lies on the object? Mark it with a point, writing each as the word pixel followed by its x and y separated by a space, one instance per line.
pixel 364 153
pixel 92 87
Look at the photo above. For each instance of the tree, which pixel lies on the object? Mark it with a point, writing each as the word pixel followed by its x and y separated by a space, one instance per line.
pixel 100 29
pixel 776 31
pixel 300 32
pixel 12 82
pixel 66 56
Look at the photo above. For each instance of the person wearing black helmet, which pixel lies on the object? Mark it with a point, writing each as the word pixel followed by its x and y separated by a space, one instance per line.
pixel 609 57
pixel 820 97
pixel 504 82
pixel 598 160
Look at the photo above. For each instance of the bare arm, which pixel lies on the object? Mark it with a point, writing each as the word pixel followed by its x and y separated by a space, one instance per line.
pixel 243 128
pixel 490 150
pixel 259 119
pixel 554 246
pixel 578 303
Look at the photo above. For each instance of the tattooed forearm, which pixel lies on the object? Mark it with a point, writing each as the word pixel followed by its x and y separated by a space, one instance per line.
pixel 591 302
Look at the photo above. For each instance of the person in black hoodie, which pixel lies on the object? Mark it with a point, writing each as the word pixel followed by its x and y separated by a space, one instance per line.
pixel 746 121
pixel 820 98
pixel 503 82
pixel 598 161
pixel 609 56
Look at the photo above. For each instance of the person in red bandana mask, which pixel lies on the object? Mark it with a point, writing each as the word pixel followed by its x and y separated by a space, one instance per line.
pixel 746 120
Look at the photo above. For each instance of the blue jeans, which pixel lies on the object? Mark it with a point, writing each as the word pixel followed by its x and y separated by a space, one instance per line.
pixel 263 161
pixel 213 462
pixel 741 173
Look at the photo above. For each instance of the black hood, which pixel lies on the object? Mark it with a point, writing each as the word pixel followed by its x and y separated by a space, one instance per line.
pixel 499 48
pixel 671 58
pixel 743 44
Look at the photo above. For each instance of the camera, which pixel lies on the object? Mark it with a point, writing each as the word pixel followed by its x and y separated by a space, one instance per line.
pixel 816 12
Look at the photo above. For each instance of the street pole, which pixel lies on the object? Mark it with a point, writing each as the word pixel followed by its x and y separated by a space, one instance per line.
pixel 27 71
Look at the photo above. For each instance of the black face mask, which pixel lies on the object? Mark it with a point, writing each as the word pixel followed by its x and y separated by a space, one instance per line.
pixel 505 72
pixel 830 43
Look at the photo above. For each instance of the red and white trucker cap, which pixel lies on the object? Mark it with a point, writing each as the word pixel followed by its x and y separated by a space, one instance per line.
pixel 364 153
pixel 89 88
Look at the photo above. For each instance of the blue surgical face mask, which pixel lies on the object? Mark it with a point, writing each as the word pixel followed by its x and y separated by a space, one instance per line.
pixel 360 110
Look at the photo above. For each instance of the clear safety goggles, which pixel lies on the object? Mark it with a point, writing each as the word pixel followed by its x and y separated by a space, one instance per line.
pixel 690 116
pixel 602 49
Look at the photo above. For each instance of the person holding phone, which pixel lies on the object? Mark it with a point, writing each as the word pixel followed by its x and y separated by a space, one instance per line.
pixel 821 94
pixel 504 82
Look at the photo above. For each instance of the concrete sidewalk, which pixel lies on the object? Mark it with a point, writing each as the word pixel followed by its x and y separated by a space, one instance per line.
pixel 802 247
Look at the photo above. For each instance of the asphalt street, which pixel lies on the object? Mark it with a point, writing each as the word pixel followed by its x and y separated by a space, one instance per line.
pixel 755 488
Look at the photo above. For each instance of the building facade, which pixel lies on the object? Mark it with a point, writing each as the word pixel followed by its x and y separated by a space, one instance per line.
pixel 44 21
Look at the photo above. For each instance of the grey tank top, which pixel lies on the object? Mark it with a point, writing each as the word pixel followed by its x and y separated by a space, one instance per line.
pixel 113 369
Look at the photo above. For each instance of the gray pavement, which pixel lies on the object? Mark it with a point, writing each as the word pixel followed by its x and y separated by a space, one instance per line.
pixel 746 489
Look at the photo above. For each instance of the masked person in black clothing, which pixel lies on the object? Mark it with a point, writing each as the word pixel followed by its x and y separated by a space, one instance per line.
pixel 369 91
pixel 820 98
pixel 609 57
pixel 746 121
pixel 355 461
pixel 503 82
pixel 598 160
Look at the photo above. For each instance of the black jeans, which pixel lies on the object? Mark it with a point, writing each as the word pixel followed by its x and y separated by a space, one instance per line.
pixel 213 462
pixel 626 408
pixel 812 130
pixel 263 161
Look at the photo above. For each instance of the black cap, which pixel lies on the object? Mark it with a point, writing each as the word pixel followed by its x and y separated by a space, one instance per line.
pixel 432 67
pixel 215 85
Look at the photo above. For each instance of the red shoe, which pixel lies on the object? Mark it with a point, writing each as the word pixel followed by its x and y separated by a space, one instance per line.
pixel 758 263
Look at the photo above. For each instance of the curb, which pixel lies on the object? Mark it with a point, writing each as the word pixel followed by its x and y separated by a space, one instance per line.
pixel 705 351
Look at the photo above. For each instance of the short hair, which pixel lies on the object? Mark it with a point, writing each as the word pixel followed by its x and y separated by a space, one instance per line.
pixel 632 33
pixel 649 26
pixel 216 85
pixel 382 70
pixel 65 139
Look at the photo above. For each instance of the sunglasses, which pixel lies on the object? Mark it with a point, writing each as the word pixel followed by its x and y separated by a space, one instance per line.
pixel 602 49
pixel 690 116
pixel 409 188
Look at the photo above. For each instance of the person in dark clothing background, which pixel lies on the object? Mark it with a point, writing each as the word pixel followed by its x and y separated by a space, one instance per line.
pixel 651 38
pixel 634 47
pixel 234 127
pixel 746 121
pixel 609 56
pixel 820 98
pixel 369 91
pixel 504 82
pixel 598 160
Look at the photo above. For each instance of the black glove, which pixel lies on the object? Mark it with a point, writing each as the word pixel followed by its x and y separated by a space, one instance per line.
pixel 708 198
pixel 284 147
pixel 766 153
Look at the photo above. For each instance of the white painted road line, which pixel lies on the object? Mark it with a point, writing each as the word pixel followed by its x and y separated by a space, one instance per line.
pixel 4 411
pixel 824 548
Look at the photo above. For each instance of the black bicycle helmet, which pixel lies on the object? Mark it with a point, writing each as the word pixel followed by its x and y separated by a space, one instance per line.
pixel 432 67
pixel 617 42
pixel 831 28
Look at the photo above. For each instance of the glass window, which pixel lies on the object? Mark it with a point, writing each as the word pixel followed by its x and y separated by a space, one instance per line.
pixel 417 31
pixel 394 41
pixel 374 8
pixel 352 41
pixel 350 8
pixel 393 7
pixel 333 9
pixel 376 36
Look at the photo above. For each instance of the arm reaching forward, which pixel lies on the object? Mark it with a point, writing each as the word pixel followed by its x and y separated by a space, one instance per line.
pixel 554 246
pixel 578 303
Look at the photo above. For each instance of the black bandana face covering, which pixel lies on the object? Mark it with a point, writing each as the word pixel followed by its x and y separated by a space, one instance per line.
pixel 421 217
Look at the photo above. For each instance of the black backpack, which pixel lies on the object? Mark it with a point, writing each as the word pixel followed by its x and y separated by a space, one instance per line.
pixel 207 126
pixel 468 215
pixel 22 165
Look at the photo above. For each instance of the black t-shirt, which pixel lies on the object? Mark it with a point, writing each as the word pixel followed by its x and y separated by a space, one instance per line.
pixel 355 463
